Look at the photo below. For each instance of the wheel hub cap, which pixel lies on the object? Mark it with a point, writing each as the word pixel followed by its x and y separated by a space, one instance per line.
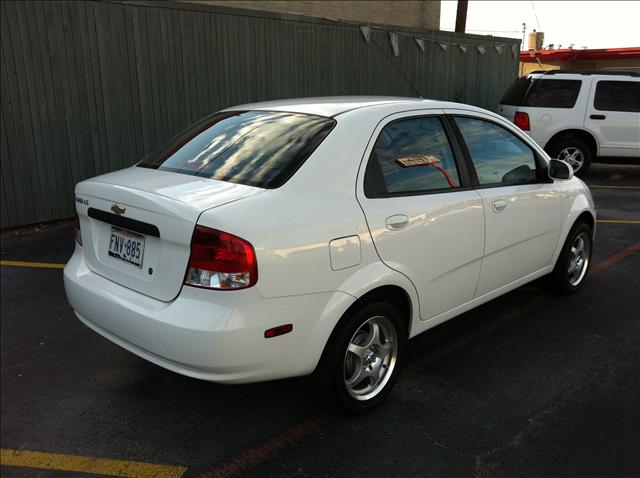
pixel 369 358
pixel 573 156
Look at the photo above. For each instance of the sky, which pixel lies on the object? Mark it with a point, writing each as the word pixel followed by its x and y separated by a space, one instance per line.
pixel 595 24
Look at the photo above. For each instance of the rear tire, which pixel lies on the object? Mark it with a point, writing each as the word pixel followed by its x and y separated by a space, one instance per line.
pixel 573 151
pixel 573 262
pixel 362 359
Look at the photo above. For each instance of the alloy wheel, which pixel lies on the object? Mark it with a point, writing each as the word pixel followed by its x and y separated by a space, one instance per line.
pixel 579 259
pixel 572 155
pixel 370 358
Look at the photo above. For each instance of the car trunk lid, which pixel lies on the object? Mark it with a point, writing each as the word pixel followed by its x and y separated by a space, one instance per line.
pixel 137 224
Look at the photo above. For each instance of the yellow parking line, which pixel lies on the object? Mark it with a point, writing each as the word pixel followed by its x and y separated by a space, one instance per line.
pixel 616 221
pixel 45 265
pixel 87 464
pixel 604 186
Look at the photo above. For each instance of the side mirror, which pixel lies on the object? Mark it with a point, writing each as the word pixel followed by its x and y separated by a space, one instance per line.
pixel 560 170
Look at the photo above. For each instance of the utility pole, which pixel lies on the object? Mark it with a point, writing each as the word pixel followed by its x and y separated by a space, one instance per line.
pixel 461 16
pixel 524 29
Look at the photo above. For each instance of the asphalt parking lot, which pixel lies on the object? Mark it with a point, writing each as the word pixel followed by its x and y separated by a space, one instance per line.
pixel 528 385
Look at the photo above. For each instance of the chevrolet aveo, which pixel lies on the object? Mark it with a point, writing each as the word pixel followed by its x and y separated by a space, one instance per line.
pixel 315 236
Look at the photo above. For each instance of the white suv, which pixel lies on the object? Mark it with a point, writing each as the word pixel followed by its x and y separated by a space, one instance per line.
pixel 577 116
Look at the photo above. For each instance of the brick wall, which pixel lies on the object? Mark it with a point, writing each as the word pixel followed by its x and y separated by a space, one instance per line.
pixel 422 14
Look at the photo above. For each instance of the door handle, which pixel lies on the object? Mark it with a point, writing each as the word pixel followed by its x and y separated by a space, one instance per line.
pixel 598 117
pixel 397 222
pixel 499 205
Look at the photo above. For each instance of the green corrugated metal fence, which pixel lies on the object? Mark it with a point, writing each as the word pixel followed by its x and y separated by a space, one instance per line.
pixel 90 87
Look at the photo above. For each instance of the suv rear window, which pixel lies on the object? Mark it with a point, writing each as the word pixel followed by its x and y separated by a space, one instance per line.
pixel 545 93
pixel 618 96
pixel 515 93
pixel 257 148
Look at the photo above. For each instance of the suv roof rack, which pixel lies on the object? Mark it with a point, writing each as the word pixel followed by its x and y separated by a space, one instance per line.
pixel 586 72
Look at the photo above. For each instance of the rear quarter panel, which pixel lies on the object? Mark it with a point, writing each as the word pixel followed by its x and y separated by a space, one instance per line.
pixel 291 227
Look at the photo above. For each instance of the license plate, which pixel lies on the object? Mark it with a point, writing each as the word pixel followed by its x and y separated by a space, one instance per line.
pixel 128 246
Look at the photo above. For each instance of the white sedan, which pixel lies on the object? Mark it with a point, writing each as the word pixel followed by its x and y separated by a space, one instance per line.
pixel 317 235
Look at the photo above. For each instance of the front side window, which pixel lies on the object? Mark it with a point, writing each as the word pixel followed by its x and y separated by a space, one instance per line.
pixel 553 93
pixel 411 156
pixel 258 148
pixel 499 156
pixel 618 96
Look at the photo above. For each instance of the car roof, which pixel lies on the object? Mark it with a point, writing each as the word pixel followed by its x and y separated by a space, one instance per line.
pixel 335 105
pixel 580 74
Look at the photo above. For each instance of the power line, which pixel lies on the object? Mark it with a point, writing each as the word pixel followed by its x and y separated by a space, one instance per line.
pixel 535 15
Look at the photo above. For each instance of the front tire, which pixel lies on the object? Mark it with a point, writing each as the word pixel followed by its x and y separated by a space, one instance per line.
pixel 573 151
pixel 574 260
pixel 362 359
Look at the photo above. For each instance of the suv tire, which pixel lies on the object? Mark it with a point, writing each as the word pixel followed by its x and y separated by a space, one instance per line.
pixel 574 151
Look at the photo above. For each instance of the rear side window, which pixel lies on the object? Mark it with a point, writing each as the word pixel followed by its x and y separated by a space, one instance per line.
pixel 515 93
pixel 257 148
pixel 618 96
pixel 499 156
pixel 411 156
pixel 553 93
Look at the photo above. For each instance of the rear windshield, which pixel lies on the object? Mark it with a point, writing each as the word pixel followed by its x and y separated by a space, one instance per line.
pixel 553 93
pixel 544 93
pixel 258 148
pixel 515 93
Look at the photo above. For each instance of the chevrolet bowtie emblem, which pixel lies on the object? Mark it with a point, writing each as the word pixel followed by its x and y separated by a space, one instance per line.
pixel 119 210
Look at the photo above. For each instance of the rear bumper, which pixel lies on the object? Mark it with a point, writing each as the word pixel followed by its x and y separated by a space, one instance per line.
pixel 210 335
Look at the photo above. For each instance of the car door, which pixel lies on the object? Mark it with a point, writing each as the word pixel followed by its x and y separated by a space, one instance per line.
pixel 613 115
pixel 522 207
pixel 425 219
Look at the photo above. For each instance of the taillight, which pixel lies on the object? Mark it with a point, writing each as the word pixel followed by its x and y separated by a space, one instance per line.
pixel 78 234
pixel 220 261
pixel 521 120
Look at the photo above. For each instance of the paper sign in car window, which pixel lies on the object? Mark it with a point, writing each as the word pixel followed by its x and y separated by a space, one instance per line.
pixel 417 160
pixel 425 160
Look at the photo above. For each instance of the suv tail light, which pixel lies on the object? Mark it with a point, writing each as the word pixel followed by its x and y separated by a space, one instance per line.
pixel 220 261
pixel 77 233
pixel 521 120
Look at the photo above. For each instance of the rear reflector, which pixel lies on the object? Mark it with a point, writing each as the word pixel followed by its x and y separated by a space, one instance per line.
pixel 521 120
pixel 280 330
pixel 77 233
pixel 220 261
